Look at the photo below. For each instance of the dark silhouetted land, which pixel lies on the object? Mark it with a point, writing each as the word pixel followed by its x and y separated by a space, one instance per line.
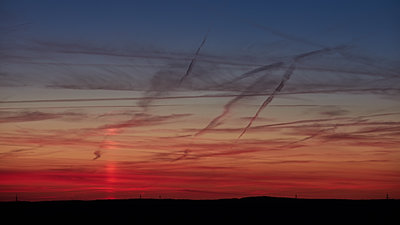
pixel 259 210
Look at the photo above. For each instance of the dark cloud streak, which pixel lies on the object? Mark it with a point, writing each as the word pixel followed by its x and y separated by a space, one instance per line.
pixel 28 116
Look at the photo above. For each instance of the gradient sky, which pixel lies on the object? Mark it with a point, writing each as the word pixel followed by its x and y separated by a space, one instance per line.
pixel 199 99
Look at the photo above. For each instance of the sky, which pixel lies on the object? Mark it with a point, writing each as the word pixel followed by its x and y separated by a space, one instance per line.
pixel 199 99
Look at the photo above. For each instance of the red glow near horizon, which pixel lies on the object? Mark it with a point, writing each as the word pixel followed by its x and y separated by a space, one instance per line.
pixel 326 166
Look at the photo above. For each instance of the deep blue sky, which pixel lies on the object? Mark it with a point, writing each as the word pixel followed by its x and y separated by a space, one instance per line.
pixel 180 25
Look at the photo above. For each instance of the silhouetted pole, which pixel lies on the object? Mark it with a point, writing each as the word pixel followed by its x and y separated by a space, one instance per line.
pixel 387 195
pixel 295 196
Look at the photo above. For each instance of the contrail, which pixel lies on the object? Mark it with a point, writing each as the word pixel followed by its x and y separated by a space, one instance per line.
pixel 276 65
pixel 315 52
pixel 311 136
pixel 368 73
pixel 215 122
pixel 4 154
pixel 285 78
pixel 338 90
pixel 283 35
pixel 189 69
pixel 83 107
pixel 280 64
pixel 170 84
pixel 184 155
pixel 359 59
pixel 227 107
pixel 254 71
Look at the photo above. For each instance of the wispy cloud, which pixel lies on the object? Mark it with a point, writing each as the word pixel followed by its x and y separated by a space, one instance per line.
pixel 18 151
pixel 138 120
pixel 161 83
pixel 27 116
pixel 388 91
pixel 333 111
pixel 183 156
pixel 141 119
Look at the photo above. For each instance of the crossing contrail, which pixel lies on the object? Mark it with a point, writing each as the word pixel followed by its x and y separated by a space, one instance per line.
pixel 254 71
pixel 285 78
pixel 228 106
pixel 189 69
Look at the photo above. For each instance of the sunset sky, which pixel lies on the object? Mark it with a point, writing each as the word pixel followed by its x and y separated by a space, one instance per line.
pixel 199 99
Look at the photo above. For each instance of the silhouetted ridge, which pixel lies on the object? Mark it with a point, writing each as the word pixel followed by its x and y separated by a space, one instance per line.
pixel 243 210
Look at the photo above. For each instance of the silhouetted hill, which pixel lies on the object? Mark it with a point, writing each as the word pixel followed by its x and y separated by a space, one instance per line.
pixel 261 210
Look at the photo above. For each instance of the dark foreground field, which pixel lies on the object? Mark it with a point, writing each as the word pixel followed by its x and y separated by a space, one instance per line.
pixel 259 210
